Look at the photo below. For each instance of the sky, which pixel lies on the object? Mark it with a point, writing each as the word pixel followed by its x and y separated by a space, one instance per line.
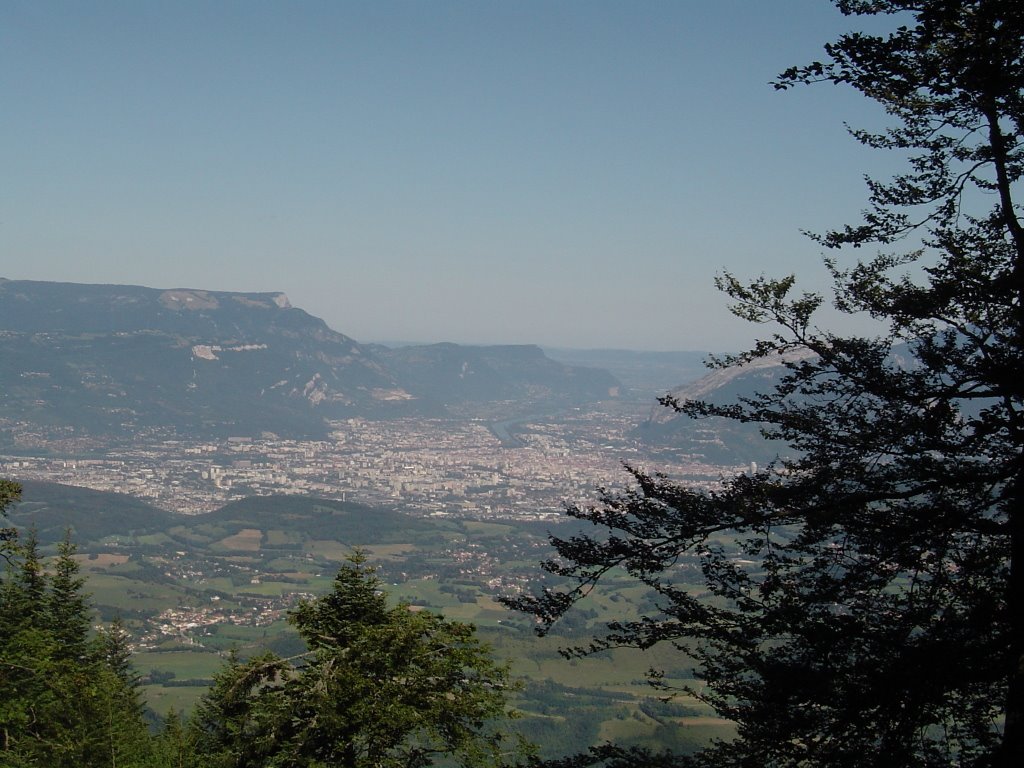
pixel 564 173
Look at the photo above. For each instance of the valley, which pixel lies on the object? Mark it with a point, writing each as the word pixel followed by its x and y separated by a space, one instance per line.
pixel 216 457
pixel 191 588
pixel 463 467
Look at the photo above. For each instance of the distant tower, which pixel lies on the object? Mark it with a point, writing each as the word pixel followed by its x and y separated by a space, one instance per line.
pixel 753 468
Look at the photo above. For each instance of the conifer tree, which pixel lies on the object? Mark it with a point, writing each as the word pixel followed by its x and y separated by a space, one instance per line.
pixel 173 747
pixel 115 649
pixel 10 492
pixel 65 605
pixel 870 609
pixel 29 582
pixel 379 687
pixel 127 735
pixel 64 703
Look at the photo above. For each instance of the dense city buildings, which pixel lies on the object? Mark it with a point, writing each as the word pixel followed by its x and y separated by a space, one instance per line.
pixel 468 467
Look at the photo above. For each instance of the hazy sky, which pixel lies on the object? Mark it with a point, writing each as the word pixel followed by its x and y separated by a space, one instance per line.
pixel 562 173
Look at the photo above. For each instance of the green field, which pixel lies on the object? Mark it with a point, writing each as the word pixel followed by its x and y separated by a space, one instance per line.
pixel 245 560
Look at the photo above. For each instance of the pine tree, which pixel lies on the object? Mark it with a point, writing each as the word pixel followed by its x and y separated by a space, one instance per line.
pixel 65 606
pixel 126 734
pixel 870 608
pixel 10 492
pixel 29 583
pixel 379 686
pixel 116 652
pixel 66 701
pixel 172 747
pixel 25 689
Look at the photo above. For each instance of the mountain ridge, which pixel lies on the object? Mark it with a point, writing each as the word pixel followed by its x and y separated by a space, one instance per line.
pixel 112 359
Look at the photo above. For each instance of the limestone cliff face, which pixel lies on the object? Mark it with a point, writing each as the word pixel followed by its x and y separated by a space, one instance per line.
pixel 724 385
pixel 715 440
pixel 116 358
pixel 451 373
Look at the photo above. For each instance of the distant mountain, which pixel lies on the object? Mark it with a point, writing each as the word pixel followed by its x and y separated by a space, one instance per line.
pixel 450 373
pixel 113 358
pixel 105 359
pixel 643 374
pixel 719 440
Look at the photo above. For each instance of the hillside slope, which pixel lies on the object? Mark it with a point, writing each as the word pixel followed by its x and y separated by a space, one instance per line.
pixel 114 359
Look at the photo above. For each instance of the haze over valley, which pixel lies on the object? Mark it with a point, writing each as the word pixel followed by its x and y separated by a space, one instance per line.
pixel 236 449
pixel 455 384
pixel 191 399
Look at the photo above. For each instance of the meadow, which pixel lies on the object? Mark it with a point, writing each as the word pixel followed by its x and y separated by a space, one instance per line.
pixel 225 582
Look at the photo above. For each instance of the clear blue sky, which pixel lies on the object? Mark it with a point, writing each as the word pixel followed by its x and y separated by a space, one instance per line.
pixel 563 173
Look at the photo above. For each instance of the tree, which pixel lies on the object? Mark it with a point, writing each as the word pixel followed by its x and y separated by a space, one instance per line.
pixel 378 686
pixel 25 583
pixel 66 606
pixel 870 610
pixel 116 651
pixel 65 699
pixel 128 740
pixel 172 747
pixel 10 492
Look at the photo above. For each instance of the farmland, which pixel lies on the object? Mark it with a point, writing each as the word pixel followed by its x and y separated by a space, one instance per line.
pixel 191 590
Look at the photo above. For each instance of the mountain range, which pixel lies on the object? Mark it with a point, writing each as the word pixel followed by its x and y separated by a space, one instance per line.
pixel 115 359
pixel 714 439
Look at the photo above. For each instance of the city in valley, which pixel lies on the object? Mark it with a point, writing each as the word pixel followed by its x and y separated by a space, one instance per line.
pixel 469 468
pixel 466 504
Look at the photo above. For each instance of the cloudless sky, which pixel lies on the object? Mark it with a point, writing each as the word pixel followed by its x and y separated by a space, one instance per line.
pixel 567 173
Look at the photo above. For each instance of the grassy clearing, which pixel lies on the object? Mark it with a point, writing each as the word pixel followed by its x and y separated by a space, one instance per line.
pixel 100 561
pixel 130 595
pixel 630 728
pixel 163 700
pixel 328 549
pixel 388 551
pixel 244 635
pixel 288 564
pixel 196 536
pixel 155 540
pixel 246 540
pixel 425 591
pixel 269 588
pixel 487 529
pixel 318 585
pixel 185 665
pixel 276 538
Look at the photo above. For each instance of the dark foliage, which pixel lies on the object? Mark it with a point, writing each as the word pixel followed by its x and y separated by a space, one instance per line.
pixel 377 686
pixel 66 699
pixel 869 609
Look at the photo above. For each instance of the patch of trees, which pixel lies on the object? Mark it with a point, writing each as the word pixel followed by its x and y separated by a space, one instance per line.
pixel 552 694
pixel 571 731
pixel 372 685
pixel 150 572
pixel 67 697
pixel 284 547
pixel 378 686
pixel 462 594
pixel 662 710
pixel 159 677
pixel 192 682
pixel 240 578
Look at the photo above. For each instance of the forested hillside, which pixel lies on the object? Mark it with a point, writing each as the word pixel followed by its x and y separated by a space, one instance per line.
pixel 373 685
pixel 191 593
